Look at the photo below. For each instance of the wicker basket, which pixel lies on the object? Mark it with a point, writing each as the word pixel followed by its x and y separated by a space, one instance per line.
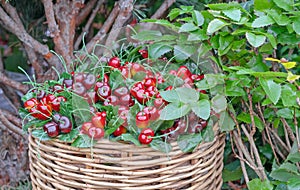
pixel 115 165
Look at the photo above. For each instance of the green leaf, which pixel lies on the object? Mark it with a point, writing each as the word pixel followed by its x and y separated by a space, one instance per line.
pixel 187 95
pixel 170 95
pixel 293 184
pixel 183 52
pixel 147 35
pixel 198 35
pixel 233 14
pixel 161 22
pixel 174 13
pixel 116 79
pixel 35 123
pixel 129 138
pixel 278 17
pixel 158 144
pixel 262 4
pixel 285 4
pixel 81 109
pixel 272 40
pixel 208 133
pixel 255 40
pixel 215 25
pixel 262 21
pixel 188 142
pixel 232 172
pixel 69 137
pixel 288 96
pixel 219 103
pixel 187 27
pixel 257 184
pixel 296 25
pixel 285 113
pixel 83 141
pixel 198 18
pixel 202 109
pixel 272 89
pixel 224 6
pixel 156 50
pixel 244 117
pixel 173 111
pixel 226 122
pixel 285 172
pixel 40 134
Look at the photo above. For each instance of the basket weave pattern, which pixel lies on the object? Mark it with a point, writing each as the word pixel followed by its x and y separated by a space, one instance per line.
pixel 115 165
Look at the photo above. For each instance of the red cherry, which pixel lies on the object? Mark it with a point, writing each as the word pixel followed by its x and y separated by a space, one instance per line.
pixel 144 136
pixel 136 68
pixel 78 88
pixel 114 62
pixel 85 127
pixel 111 100
pixel 121 91
pixel 99 120
pixel 152 112
pixel 78 77
pixel 159 103
pixel 104 92
pixel 183 72
pixel 149 82
pixel 42 111
pixel 32 102
pixel 144 53
pixel 119 131
pixel 56 102
pixel 123 114
pixel 65 125
pixel 95 133
pixel 51 129
pixel 142 119
pixel 125 71
pixel 89 81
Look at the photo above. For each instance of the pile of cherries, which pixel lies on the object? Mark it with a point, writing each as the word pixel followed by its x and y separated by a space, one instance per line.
pixel 97 89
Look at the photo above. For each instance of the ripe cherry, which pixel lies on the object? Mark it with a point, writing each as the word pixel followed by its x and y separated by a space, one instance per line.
pixel 142 119
pixel 145 136
pixel 89 81
pixel 85 127
pixel 104 92
pixel 78 88
pixel 99 120
pixel 52 129
pixel 95 133
pixel 119 131
pixel 32 102
pixel 65 125
pixel 114 62
pixel 42 111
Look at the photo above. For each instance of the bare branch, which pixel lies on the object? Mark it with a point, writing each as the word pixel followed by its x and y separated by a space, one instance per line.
pixel 83 14
pixel 126 7
pixel 104 29
pixel 12 118
pixel 88 24
pixel 11 126
pixel 162 9
pixel 17 85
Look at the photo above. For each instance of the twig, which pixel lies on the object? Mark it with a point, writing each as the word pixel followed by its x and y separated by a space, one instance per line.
pixel 253 130
pixel 32 57
pixel 84 13
pixel 12 118
pixel 126 7
pixel 102 32
pixel 11 126
pixel 296 129
pixel 88 24
pixel 278 139
pixel 267 130
pixel 162 9
pixel 257 157
pixel 17 85
pixel 1 63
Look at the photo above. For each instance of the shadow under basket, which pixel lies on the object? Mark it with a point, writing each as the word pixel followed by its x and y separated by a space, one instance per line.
pixel 117 165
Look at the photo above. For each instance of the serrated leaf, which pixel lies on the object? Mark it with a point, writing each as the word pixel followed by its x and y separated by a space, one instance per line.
pixel 161 22
pixel 293 184
pixel 244 117
pixel 83 141
pixel 35 123
pixel 69 137
pixel 219 103
pixel 158 144
pixel 285 4
pixel 198 35
pixel 81 109
pixel 278 17
pixel 188 142
pixel 187 95
pixel 156 50
pixel 288 65
pixel 233 14
pixel 215 25
pixel 174 13
pixel 262 4
pixel 255 40
pixel 226 122
pixel 198 18
pixel 296 25
pixel 272 40
pixel 183 52
pixel 285 113
pixel 40 134
pixel 147 35
pixel 174 111
pixel 224 6
pixel 291 77
pixel 202 109
pixel 285 172
pixel 272 89
pixel 187 27
pixel 257 184
pixel 288 96
pixel 262 21
pixel 170 95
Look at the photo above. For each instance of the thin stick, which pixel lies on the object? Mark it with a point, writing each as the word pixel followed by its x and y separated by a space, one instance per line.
pixel 11 126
